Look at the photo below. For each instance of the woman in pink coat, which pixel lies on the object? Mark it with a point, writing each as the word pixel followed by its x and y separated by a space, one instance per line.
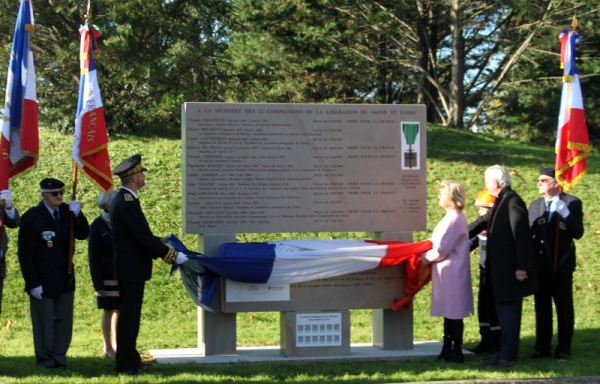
pixel 452 294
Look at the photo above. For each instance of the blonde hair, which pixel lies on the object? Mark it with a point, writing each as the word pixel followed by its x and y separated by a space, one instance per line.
pixel 455 193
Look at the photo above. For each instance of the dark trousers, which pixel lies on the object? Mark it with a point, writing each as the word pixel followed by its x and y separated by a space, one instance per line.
pixel 128 325
pixel 558 287
pixel 52 323
pixel 509 316
pixel 486 304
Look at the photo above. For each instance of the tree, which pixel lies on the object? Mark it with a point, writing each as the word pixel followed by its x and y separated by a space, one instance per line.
pixel 153 56
pixel 526 104
pixel 443 54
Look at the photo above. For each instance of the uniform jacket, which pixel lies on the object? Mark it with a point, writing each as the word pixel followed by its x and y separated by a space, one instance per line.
pixel 134 244
pixel 543 233
pixel 451 292
pixel 44 248
pixel 10 223
pixel 509 246
pixel 100 253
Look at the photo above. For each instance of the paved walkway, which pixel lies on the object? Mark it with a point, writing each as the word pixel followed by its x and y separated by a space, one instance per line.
pixel 357 351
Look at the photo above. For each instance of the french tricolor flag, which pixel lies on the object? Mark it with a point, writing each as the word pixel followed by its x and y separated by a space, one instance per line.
pixel 572 140
pixel 291 261
pixel 90 145
pixel 20 140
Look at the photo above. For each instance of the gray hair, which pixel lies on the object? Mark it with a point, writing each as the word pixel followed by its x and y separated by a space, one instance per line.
pixel 105 199
pixel 499 174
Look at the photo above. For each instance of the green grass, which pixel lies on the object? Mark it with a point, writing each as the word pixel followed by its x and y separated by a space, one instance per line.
pixel 170 317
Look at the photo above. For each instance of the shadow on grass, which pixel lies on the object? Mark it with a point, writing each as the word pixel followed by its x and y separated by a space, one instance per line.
pixel 585 361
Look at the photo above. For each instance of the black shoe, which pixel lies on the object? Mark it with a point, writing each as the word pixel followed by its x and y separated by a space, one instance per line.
pixel 457 356
pixel 499 363
pixel 539 354
pixel 485 347
pixel 562 356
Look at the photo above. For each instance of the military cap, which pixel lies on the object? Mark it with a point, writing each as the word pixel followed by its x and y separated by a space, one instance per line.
pixel 49 184
pixel 129 167
pixel 548 172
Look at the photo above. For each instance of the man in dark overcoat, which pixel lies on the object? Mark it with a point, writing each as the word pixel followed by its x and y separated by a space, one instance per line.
pixel 44 238
pixel 554 214
pixel 134 249
pixel 510 264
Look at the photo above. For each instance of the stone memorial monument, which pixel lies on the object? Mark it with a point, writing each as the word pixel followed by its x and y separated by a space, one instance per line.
pixel 251 168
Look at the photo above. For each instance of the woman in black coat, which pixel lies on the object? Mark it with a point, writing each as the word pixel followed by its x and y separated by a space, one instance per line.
pixel 100 258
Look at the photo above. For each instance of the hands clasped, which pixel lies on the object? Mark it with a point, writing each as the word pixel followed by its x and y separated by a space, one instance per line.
pixel 521 275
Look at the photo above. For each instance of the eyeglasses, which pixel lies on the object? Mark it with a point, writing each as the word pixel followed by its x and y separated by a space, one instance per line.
pixel 544 181
pixel 55 193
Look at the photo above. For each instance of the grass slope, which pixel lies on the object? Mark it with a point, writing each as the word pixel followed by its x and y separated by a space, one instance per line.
pixel 170 317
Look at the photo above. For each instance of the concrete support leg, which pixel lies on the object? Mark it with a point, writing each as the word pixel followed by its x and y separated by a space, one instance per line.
pixel 393 330
pixel 216 330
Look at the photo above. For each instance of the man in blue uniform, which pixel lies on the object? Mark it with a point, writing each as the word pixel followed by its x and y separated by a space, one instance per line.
pixel 134 249
pixel 556 219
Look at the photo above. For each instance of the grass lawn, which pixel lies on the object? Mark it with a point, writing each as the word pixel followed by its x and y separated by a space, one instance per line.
pixel 170 317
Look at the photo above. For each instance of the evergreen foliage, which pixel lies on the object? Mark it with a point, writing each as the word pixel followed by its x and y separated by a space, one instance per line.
pixel 489 63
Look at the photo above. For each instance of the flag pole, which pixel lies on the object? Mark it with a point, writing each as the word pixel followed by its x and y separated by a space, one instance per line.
pixel 72 229
pixel 74 197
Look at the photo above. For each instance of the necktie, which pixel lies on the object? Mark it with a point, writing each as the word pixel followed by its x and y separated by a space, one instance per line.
pixel 56 218
pixel 548 213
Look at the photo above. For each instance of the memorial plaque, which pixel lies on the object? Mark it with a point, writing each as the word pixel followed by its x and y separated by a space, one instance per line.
pixel 252 168
pixel 375 288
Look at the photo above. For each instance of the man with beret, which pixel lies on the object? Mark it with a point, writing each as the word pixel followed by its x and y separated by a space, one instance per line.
pixel 556 219
pixel 44 241
pixel 134 249
pixel 12 219
pixel 510 263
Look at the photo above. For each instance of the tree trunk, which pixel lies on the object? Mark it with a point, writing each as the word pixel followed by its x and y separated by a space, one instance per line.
pixel 457 101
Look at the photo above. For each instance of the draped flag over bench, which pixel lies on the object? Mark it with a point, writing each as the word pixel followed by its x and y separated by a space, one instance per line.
pixel 296 261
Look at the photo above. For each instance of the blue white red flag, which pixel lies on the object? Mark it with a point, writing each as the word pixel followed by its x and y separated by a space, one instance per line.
pixel 572 140
pixel 288 262
pixel 20 140
pixel 90 146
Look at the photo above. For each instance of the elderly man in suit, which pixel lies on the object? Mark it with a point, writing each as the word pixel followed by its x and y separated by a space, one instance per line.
pixel 44 241
pixel 556 219
pixel 510 265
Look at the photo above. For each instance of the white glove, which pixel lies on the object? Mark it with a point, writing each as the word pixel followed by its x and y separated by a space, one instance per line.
pixel 37 292
pixel 562 209
pixel 181 258
pixel 6 195
pixel 74 207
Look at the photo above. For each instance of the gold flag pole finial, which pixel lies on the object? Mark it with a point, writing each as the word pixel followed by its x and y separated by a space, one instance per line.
pixel 88 15
pixel 574 23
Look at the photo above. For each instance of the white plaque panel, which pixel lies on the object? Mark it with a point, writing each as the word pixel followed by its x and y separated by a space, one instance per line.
pixel 303 167
pixel 236 292
pixel 318 329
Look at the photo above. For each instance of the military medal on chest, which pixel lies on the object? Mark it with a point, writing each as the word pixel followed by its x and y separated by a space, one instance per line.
pixel 48 235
